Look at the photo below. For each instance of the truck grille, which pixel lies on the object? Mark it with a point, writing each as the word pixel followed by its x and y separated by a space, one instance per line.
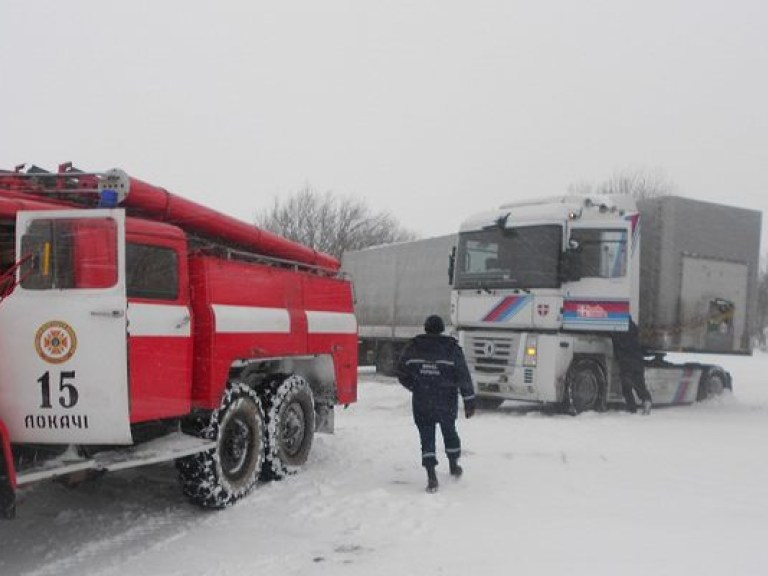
pixel 492 354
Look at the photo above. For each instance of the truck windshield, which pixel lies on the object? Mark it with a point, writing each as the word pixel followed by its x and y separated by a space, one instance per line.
pixel 522 257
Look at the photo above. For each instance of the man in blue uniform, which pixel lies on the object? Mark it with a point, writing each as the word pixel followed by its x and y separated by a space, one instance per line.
pixel 629 354
pixel 433 368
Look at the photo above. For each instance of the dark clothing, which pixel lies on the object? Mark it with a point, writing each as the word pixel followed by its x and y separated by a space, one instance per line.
pixel 433 368
pixel 450 438
pixel 629 355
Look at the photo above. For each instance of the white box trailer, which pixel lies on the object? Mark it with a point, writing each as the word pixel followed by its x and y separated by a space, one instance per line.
pixel 539 286
pixel 699 266
pixel 396 287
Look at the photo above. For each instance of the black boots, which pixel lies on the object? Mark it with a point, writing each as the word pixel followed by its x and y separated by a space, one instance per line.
pixel 431 480
pixel 454 467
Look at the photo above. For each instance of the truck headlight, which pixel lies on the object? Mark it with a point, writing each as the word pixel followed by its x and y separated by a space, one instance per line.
pixel 531 350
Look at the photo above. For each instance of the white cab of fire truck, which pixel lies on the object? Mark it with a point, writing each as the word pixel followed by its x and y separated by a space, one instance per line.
pixel 537 286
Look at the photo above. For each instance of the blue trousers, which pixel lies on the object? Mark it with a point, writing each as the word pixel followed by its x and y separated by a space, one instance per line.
pixel 451 439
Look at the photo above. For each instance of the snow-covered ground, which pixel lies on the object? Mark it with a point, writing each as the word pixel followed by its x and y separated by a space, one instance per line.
pixel 682 492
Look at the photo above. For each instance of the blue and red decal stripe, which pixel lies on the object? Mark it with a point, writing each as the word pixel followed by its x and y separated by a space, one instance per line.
pixel 586 314
pixel 506 308
pixel 682 387
pixel 596 309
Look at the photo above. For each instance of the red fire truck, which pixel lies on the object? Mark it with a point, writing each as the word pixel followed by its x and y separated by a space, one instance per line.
pixel 137 326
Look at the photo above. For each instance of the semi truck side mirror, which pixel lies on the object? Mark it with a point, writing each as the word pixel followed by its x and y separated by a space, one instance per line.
pixel 451 265
pixel 570 265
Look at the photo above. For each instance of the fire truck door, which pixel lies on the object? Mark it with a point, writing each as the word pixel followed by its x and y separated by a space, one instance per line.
pixel 159 329
pixel 63 340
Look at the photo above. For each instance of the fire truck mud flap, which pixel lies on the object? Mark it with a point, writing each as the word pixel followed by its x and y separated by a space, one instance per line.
pixel 7 476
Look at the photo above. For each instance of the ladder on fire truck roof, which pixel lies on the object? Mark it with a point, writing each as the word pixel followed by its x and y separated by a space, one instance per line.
pixel 67 183
pixel 218 231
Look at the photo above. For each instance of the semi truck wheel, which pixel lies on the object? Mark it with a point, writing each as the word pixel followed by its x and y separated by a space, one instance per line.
pixel 290 427
pixel 714 381
pixel 219 477
pixel 585 386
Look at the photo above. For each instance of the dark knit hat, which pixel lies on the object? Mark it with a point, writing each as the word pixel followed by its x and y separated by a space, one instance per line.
pixel 434 325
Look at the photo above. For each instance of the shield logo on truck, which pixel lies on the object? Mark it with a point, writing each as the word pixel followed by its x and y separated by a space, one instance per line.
pixel 542 309
pixel 55 342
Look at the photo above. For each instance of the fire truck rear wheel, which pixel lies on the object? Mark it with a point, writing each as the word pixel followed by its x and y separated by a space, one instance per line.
pixel 585 386
pixel 290 427
pixel 219 477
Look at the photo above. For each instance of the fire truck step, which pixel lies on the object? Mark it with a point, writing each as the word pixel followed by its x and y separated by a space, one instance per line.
pixel 170 447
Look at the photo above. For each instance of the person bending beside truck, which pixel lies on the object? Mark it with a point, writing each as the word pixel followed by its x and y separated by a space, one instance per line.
pixel 433 368
pixel 629 355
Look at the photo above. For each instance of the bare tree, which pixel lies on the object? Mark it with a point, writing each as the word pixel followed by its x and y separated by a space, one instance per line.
pixel 638 182
pixel 330 223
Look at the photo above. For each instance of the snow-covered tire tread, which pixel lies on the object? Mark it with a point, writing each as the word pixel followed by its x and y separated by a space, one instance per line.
pixel 290 411
pixel 204 480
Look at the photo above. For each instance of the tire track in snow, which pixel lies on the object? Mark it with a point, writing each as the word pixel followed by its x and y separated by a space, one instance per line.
pixel 105 553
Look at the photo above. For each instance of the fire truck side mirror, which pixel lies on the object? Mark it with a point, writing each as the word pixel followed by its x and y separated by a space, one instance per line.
pixel 451 265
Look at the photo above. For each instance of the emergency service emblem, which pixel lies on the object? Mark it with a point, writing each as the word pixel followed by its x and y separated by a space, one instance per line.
pixel 55 342
pixel 542 309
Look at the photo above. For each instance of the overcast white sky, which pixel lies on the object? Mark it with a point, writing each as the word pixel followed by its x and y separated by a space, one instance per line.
pixel 429 109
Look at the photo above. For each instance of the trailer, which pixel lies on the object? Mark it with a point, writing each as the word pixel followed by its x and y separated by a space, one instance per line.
pixel 539 286
pixel 396 287
pixel 137 326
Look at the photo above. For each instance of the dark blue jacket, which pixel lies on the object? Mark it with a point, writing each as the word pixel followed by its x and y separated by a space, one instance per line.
pixel 433 368
pixel 627 349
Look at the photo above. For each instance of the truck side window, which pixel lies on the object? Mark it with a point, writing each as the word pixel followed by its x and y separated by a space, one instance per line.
pixel 603 252
pixel 69 253
pixel 151 272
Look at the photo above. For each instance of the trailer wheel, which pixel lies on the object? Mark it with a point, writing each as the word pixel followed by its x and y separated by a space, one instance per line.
pixel 290 427
pixel 585 386
pixel 219 477
pixel 714 382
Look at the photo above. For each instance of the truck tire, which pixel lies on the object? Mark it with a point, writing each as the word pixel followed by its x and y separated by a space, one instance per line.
pixel 290 427
pixel 386 359
pixel 219 477
pixel 585 386
pixel 714 382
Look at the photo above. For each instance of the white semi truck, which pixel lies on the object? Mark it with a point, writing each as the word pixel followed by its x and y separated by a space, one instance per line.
pixel 536 289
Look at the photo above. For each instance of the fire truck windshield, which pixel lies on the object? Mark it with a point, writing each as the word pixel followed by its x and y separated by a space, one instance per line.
pixel 521 257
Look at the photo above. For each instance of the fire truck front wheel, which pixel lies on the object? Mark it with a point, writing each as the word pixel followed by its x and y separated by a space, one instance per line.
pixel 219 477
pixel 585 386
pixel 290 426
